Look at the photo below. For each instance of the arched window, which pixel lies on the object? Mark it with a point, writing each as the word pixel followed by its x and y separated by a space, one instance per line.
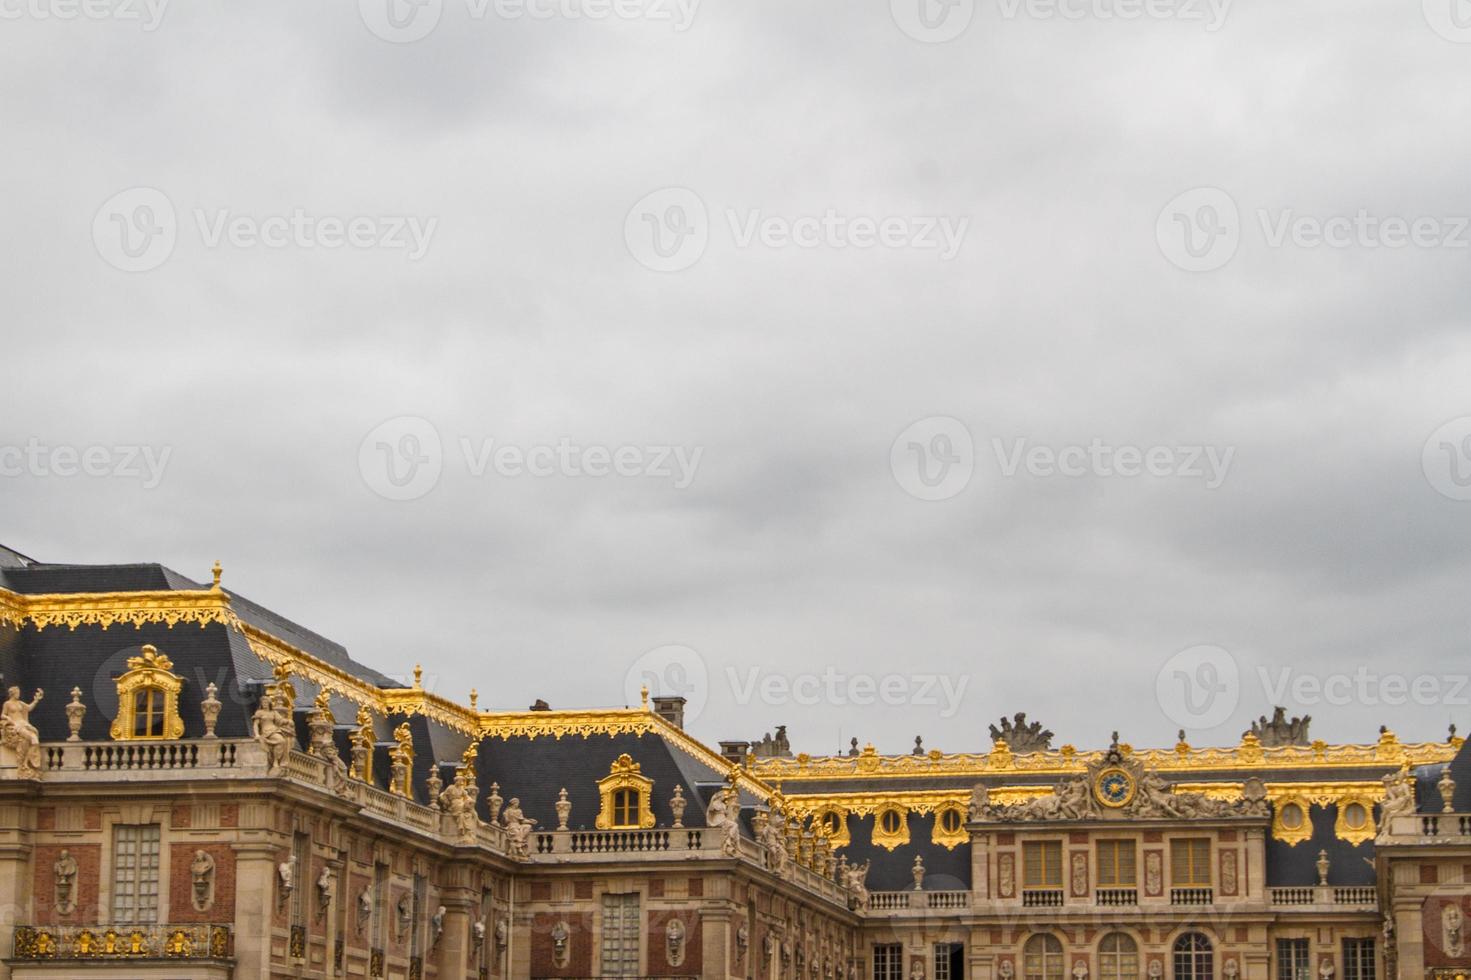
pixel 832 822
pixel 889 822
pixel 1042 958
pixel 1118 957
pixel 625 808
pixel 1194 959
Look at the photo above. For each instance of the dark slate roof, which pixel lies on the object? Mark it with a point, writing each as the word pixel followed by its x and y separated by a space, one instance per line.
pixel 10 558
pixel 945 869
pixel 1350 864
pixel 1427 779
pixel 534 769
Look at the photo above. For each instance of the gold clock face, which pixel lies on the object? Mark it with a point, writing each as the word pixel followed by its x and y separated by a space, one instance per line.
pixel 1115 788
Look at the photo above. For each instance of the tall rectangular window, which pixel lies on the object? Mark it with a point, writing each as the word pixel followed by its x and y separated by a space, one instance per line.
pixel 621 927
pixel 1294 960
pixel 1116 864
pixel 301 854
pixel 380 903
pixel 1042 864
pixel 1358 959
pixel 1190 862
pixel 416 930
pixel 888 961
pixel 135 874
pixel 949 961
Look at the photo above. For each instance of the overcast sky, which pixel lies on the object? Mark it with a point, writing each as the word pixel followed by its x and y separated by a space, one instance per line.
pixel 824 293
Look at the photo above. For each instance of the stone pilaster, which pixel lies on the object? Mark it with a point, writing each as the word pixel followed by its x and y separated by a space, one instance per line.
pixel 255 897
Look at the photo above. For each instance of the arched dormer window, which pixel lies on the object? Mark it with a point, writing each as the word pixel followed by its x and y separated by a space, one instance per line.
pixel 625 795
pixel 148 699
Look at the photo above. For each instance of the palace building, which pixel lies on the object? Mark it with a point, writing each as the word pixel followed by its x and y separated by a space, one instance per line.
pixel 194 787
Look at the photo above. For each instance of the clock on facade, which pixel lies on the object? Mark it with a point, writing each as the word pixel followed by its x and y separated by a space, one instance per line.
pixel 1114 787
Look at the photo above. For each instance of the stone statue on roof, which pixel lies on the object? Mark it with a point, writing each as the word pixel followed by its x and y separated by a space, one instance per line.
pixel 1022 737
pixel 1281 731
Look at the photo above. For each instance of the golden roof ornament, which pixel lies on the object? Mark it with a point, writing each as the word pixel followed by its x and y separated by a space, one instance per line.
pixel 217 571
pixel 418 677
pixel 474 698
pixel 151 659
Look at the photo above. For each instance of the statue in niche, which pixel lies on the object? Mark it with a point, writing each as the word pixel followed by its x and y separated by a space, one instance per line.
pixel 65 870
pixel 202 876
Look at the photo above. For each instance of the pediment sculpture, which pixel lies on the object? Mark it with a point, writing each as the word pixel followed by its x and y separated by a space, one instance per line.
pixel 1116 786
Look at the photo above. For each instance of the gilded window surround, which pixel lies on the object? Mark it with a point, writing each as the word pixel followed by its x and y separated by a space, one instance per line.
pixel 950 839
pixel 149 670
pixel 838 837
pixel 887 839
pixel 625 774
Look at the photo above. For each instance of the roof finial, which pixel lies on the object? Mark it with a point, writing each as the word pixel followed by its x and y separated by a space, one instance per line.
pixel 474 697
pixel 643 694
pixel 218 571
pixel 418 677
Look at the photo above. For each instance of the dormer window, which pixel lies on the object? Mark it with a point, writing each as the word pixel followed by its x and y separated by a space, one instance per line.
pixel 624 795
pixel 148 699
